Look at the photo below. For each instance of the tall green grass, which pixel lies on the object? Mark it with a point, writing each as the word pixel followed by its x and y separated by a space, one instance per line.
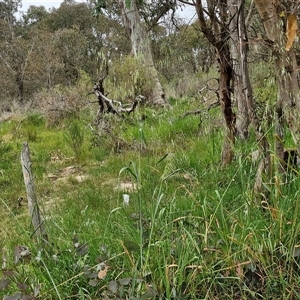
pixel 192 229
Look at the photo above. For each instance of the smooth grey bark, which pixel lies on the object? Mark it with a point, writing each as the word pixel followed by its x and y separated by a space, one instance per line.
pixel 141 46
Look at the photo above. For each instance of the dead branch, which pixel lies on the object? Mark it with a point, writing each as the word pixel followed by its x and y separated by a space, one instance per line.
pixel 107 105
pixel 199 111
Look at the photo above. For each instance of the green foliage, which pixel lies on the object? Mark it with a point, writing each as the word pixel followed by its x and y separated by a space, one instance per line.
pixel 74 137
pixel 61 102
pixel 160 219
pixel 35 119
pixel 128 3
pixel 128 78
pixel 148 211
pixel 35 14
pixel 30 126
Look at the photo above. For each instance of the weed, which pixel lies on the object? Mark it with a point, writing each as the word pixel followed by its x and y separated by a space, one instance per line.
pixel 74 138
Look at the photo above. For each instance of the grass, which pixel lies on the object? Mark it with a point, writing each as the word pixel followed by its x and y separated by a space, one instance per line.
pixel 192 229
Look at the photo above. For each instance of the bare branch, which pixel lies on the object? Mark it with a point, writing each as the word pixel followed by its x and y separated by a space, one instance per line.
pixel 187 2
pixel 107 105
pixel 250 13
pixel 199 111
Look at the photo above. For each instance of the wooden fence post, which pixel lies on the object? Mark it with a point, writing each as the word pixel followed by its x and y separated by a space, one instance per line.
pixel 39 229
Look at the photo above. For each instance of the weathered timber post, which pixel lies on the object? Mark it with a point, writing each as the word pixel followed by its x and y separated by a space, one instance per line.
pixel 39 229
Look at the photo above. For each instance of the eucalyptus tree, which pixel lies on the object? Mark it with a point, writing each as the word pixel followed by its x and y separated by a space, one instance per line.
pixel 138 18
pixel 213 20
pixel 14 50
pixel 181 52
pixel 8 8
pixel 79 37
pixel 223 23
pixel 239 53
pixel 73 28
pixel 69 14
pixel 280 22
pixel 46 48
pixel 246 113
pixel 34 15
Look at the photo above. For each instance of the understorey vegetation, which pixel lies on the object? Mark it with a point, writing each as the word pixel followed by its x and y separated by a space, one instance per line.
pixel 146 157
pixel 144 209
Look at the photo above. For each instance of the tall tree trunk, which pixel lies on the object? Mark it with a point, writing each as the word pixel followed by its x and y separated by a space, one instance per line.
pixel 246 112
pixel 141 46
pixel 20 84
pixel 239 49
pixel 286 72
pixel 225 80
pixel 218 37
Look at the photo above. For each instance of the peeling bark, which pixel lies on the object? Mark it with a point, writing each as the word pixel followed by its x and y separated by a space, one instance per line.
pixel 219 39
pixel 239 48
pixel 286 73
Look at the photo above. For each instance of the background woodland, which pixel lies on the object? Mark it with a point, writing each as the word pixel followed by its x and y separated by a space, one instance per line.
pixel 164 151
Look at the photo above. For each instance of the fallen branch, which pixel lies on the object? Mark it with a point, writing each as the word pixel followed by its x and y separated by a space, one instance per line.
pixel 199 111
pixel 107 105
